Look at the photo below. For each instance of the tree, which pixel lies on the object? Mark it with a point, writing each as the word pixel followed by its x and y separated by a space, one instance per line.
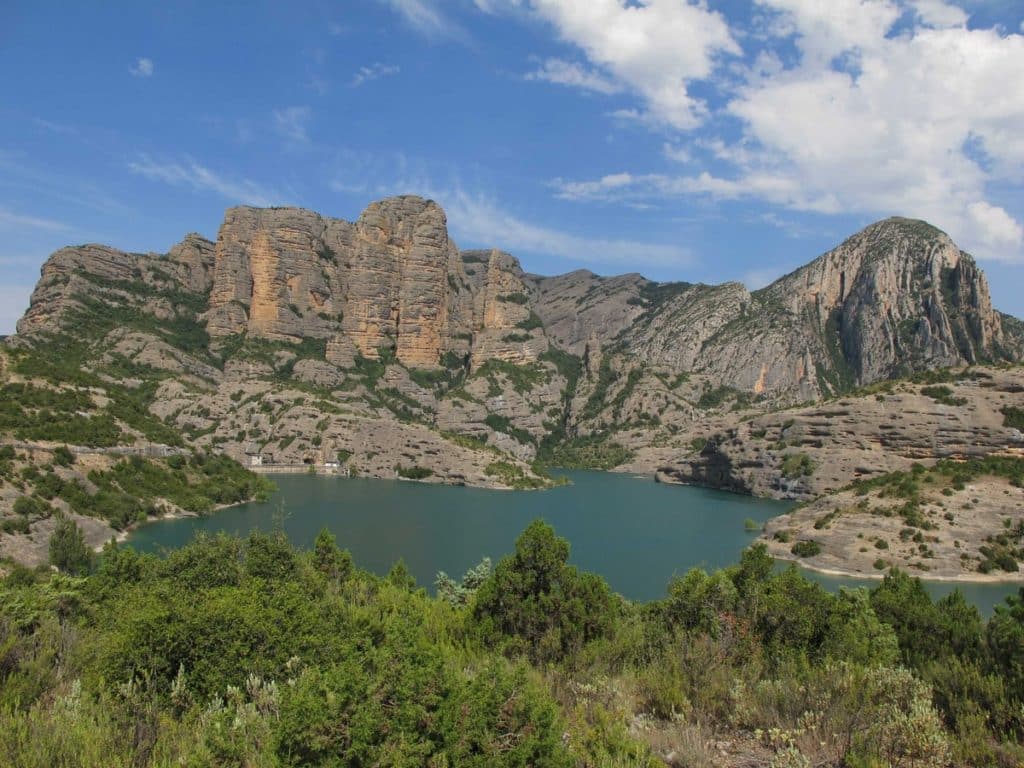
pixel 68 550
pixel 400 576
pixel 698 601
pixel 329 559
pixel 269 556
pixel 855 634
pixel 1006 642
pixel 546 607
pixel 461 593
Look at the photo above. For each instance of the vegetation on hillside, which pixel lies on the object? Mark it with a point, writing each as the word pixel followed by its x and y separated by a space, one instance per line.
pixel 245 652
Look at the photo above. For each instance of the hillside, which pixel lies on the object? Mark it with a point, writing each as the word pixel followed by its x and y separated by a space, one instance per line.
pixel 378 348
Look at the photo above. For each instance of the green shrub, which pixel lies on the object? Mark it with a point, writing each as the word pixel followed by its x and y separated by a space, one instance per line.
pixel 806 548
pixel 537 604
pixel 413 472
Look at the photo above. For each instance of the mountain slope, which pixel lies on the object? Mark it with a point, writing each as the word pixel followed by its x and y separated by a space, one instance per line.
pixel 295 338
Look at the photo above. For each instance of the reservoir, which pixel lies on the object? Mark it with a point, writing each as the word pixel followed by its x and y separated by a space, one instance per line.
pixel 635 533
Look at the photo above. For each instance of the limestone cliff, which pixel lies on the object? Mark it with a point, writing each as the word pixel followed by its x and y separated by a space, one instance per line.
pixel 386 325
pixel 287 274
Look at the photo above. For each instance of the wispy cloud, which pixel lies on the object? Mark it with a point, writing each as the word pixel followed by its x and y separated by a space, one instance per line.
pixel 573 75
pixel 373 72
pixel 53 127
pixel 426 18
pixel 482 221
pixel 292 123
pixel 142 68
pixel 191 174
pixel 10 220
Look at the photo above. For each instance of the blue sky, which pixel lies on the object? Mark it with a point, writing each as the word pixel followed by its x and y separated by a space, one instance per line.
pixel 688 141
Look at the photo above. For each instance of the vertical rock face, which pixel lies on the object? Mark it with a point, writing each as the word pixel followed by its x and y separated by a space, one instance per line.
pixel 398 281
pixel 384 282
pixel 505 330
pixel 897 297
pixel 273 275
pixel 197 257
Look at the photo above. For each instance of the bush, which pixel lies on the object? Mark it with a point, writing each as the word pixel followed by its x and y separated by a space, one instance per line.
pixel 414 472
pixel 535 603
pixel 806 548
pixel 68 550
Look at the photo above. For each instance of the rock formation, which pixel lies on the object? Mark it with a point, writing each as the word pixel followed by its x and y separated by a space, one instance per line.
pixel 385 320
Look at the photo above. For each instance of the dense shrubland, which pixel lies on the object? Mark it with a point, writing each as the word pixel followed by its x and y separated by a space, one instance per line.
pixel 246 652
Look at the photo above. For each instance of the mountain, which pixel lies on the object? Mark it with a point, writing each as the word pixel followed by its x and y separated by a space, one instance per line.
pixel 379 348
pixel 400 340
pixel 402 348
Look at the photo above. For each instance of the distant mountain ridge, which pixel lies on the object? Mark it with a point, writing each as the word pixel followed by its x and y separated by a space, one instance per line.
pixel 895 298
pixel 406 343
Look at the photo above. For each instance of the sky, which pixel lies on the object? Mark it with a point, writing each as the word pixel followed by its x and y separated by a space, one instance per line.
pixel 698 141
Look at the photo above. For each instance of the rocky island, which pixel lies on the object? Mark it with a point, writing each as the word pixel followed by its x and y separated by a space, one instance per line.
pixel 877 385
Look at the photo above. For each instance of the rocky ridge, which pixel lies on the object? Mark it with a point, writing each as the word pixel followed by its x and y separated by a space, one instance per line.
pixel 378 347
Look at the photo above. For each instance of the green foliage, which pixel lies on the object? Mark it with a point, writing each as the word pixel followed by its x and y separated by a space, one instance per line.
pixel 461 593
pixel 413 472
pixel 943 395
pixel 717 396
pixel 532 322
pixel 596 451
pixel 1013 417
pixel 329 559
pixel 68 550
pixel 250 653
pixel 513 476
pixel 514 298
pixel 806 548
pixel 502 424
pixel 62 456
pixel 523 378
pixel 796 465
pixel 537 604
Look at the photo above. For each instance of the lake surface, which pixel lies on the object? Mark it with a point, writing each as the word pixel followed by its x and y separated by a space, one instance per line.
pixel 634 532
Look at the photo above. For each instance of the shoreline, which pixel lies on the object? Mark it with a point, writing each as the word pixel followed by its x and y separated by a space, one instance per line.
pixel 1002 578
pixel 969 578
pixel 122 536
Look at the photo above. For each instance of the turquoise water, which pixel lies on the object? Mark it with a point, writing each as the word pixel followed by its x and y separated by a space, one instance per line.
pixel 635 533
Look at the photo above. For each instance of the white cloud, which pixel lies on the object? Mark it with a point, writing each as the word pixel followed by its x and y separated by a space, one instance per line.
pixel 13 303
pixel 920 123
pixel 142 68
pixel 657 47
pixel 572 74
pixel 292 122
pixel 374 72
pixel 9 220
pixel 192 174
pixel 425 18
pixel 482 221
pixel 939 14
